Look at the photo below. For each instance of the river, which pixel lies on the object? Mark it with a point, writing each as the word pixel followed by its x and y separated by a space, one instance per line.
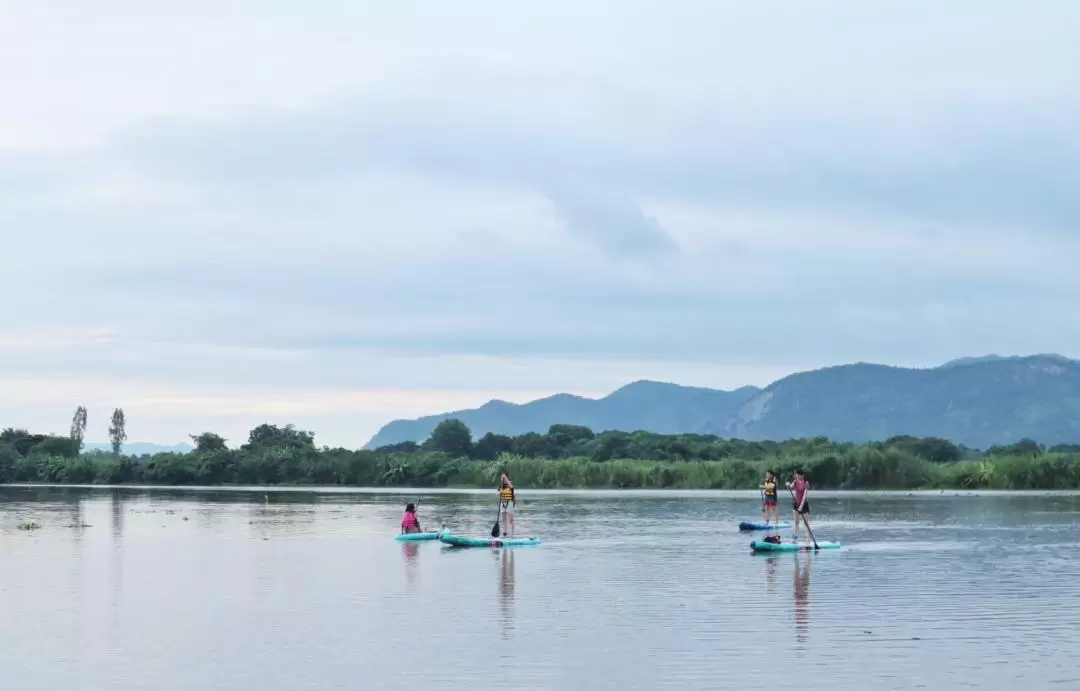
pixel 201 589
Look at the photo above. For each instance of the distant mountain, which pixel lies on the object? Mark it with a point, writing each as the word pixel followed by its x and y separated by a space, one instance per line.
pixel 140 448
pixel 977 401
pixel 645 405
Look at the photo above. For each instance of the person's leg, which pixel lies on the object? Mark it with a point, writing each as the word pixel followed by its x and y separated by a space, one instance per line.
pixel 511 514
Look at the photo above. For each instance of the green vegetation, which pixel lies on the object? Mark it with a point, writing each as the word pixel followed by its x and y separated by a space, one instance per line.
pixel 566 456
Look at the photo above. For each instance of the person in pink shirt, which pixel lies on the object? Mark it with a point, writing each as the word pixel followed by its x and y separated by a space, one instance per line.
pixel 409 522
pixel 800 487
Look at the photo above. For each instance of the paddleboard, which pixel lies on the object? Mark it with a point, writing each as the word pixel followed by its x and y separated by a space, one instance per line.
pixel 762 546
pixel 751 525
pixel 410 537
pixel 463 541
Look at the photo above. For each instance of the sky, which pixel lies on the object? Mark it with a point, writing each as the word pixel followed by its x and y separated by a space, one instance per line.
pixel 335 214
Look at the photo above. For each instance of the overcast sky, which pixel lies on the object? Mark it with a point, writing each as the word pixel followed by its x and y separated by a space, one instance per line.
pixel 216 214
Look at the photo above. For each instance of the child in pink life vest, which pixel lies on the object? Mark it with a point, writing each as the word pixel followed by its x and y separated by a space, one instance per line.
pixel 409 522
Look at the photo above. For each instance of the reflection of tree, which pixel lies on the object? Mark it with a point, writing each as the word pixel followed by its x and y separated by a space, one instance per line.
pixel 506 591
pixel 116 566
pixel 117 517
pixel 801 582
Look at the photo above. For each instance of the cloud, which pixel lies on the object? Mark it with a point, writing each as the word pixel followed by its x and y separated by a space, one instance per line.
pixel 487 200
pixel 616 225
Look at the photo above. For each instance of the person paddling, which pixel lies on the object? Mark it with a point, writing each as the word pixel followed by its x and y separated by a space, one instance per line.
pixel 800 488
pixel 507 501
pixel 768 498
pixel 409 522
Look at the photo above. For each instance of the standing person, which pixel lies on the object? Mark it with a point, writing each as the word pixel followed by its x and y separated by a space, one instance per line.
pixel 800 487
pixel 768 497
pixel 409 522
pixel 507 502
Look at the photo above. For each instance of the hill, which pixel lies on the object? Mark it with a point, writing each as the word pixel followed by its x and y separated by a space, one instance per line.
pixel 978 402
pixel 644 405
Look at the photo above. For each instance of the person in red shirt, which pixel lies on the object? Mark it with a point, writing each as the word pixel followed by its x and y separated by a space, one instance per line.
pixel 800 487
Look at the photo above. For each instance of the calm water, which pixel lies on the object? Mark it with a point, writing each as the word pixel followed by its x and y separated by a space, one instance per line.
pixel 206 590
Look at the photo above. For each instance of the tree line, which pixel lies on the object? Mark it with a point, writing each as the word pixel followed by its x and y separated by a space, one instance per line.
pixel 565 456
pixel 575 441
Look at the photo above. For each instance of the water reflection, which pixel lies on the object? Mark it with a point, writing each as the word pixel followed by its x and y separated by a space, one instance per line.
pixel 506 591
pixel 801 583
pixel 117 515
pixel 771 562
pixel 76 614
pixel 409 550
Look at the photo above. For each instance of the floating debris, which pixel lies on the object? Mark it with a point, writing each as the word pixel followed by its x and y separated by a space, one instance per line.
pixel 29 525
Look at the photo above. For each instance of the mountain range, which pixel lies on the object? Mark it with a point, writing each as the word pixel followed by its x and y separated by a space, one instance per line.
pixel 974 401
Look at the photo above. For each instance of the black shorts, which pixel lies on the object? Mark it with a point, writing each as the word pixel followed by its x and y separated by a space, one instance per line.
pixel 806 506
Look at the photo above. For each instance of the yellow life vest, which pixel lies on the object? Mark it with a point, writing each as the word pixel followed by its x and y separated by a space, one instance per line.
pixel 506 494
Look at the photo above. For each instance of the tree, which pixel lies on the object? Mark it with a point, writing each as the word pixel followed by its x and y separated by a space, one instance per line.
pixel 9 458
pixel 1024 447
pixel 491 446
pixel 400 447
pixel 117 433
pixel 78 428
pixel 208 442
pixel 63 447
pixel 287 437
pixel 571 432
pixel 20 439
pixel 452 437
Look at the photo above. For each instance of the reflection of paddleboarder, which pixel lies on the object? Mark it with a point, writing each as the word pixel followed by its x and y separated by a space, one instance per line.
pixel 770 574
pixel 506 589
pixel 801 584
pixel 409 550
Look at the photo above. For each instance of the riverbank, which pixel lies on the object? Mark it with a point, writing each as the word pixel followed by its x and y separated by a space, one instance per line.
pixel 860 468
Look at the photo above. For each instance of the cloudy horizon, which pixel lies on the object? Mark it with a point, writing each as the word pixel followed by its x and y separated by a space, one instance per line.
pixel 222 214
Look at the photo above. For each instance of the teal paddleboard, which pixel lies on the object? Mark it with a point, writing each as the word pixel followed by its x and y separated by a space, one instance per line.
pixel 410 537
pixel 751 525
pixel 763 546
pixel 463 541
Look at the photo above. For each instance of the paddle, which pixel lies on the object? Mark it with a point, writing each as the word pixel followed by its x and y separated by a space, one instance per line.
pixel 805 522
pixel 495 528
